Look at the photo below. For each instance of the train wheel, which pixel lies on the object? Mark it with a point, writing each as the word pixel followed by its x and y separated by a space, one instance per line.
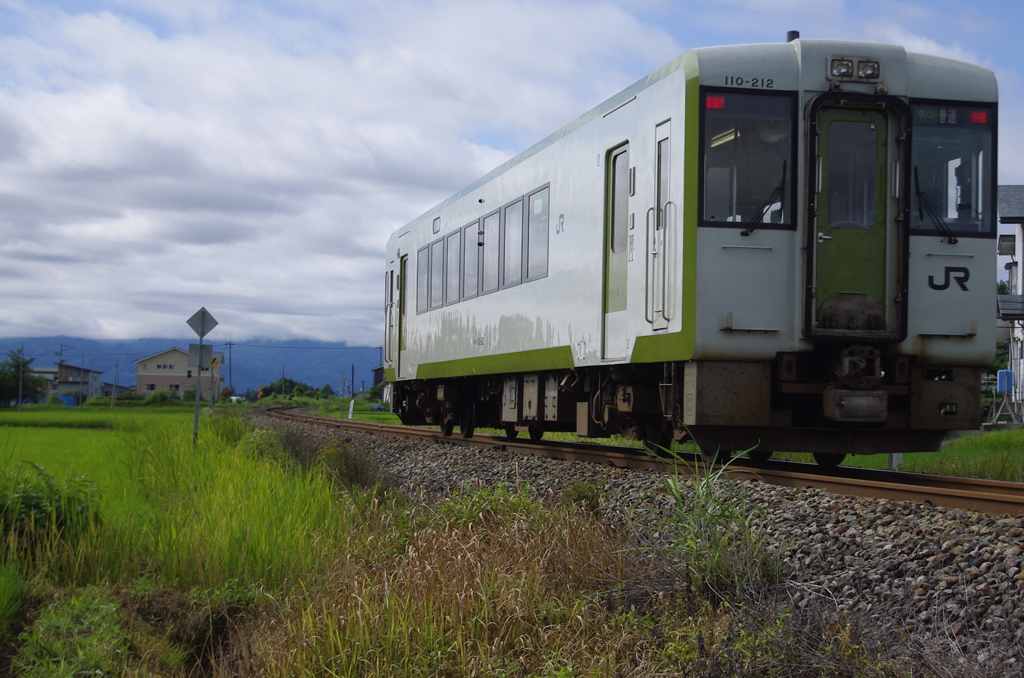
pixel 759 455
pixel 447 426
pixel 656 439
pixel 536 432
pixel 510 432
pixel 826 460
pixel 467 421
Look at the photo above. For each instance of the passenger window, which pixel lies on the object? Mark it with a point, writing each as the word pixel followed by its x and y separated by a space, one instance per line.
pixel 512 245
pixel 748 146
pixel 436 274
pixel 537 236
pixel 422 280
pixel 470 260
pixel 453 267
pixel 490 259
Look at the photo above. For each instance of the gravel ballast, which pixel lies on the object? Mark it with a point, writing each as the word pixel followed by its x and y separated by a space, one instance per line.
pixel 922 573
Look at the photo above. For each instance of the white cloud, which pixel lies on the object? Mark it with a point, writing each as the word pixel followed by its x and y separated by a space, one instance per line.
pixel 254 159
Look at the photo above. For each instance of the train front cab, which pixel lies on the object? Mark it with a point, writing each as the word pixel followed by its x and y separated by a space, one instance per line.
pixel 898 220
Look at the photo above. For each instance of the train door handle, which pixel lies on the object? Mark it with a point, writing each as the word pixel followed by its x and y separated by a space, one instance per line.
pixel 822 237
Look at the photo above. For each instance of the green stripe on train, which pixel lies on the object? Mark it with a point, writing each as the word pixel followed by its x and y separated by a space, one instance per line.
pixel 558 358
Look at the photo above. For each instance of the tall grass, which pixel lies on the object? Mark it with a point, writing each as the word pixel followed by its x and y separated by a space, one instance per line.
pixel 719 533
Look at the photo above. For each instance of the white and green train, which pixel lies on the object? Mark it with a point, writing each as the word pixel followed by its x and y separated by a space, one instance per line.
pixel 766 247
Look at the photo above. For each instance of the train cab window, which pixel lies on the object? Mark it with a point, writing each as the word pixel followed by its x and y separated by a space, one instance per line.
pixel 470 260
pixel 748 155
pixel 436 274
pixel 537 235
pixel 489 258
pixel 512 244
pixel 423 280
pixel 952 169
pixel 453 267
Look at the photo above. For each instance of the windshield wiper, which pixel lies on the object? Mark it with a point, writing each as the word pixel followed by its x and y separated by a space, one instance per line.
pixel 924 204
pixel 775 197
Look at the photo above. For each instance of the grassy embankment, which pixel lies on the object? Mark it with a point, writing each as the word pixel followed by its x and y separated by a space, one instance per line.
pixel 252 554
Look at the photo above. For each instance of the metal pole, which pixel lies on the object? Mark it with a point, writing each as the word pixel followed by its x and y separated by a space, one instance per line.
pixel 199 381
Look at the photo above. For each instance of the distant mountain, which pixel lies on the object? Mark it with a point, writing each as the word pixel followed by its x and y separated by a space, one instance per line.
pixel 248 364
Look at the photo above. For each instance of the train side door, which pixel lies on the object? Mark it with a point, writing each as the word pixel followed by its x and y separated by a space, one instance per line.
pixel 616 255
pixel 857 268
pixel 659 231
pixel 394 314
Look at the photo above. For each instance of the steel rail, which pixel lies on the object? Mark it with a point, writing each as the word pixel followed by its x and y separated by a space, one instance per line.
pixel 987 496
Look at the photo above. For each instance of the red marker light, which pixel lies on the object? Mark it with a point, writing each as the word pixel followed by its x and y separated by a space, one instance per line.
pixel 716 102
pixel 979 117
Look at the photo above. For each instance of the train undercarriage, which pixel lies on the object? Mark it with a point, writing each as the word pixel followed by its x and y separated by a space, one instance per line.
pixel 832 402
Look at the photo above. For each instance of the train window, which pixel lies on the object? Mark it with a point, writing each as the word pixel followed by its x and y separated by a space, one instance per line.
pixel 436 274
pixel 489 257
pixel 952 168
pixel 512 244
pixel 537 235
pixel 852 174
pixel 470 260
pixel 436 226
pixel 453 267
pixel 748 155
pixel 619 207
pixel 422 280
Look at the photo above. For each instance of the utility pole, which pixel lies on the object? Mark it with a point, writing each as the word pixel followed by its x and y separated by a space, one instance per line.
pixel 353 382
pixel 21 377
pixel 231 365
pixel 113 388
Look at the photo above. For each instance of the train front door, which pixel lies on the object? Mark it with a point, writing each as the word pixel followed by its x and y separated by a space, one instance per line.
pixel 855 240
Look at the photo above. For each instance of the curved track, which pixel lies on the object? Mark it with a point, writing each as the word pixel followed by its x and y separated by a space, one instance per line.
pixel 988 496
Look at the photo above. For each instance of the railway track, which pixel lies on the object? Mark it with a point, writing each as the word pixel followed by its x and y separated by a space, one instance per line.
pixel 988 496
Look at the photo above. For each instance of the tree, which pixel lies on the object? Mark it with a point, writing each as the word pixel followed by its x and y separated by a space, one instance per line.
pixel 33 387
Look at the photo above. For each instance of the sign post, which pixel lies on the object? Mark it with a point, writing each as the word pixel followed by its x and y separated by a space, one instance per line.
pixel 201 323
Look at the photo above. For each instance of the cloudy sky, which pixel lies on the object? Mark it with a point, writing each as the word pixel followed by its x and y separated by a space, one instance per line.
pixel 253 157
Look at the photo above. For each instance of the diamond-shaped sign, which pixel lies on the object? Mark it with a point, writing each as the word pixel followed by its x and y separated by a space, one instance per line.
pixel 202 322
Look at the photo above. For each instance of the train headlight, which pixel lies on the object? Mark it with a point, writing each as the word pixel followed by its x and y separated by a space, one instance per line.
pixel 842 68
pixel 868 70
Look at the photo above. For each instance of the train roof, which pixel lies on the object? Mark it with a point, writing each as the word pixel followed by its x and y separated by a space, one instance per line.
pixel 908 74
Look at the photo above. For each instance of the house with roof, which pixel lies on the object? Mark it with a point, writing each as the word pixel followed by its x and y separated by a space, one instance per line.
pixel 1010 210
pixel 65 379
pixel 169 371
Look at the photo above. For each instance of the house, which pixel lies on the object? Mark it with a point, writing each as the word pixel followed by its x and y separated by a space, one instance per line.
pixel 71 380
pixel 1010 209
pixel 169 371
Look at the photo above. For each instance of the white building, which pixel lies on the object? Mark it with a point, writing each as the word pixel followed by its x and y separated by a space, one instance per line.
pixel 1011 306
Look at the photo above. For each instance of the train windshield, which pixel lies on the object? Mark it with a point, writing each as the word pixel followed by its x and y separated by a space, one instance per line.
pixel 748 159
pixel 952 169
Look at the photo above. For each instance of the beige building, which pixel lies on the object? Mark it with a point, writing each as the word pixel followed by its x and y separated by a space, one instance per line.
pixel 169 371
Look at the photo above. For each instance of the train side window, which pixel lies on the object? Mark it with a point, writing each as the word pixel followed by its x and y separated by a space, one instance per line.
pixel 619 208
pixel 512 244
pixel 537 235
pixel 453 267
pixel 748 155
pixel 490 257
pixel 436 274
pixel 471 240
pixel 422 280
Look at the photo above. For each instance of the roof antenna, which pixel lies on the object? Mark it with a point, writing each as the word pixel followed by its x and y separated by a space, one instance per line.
pixel 792 35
